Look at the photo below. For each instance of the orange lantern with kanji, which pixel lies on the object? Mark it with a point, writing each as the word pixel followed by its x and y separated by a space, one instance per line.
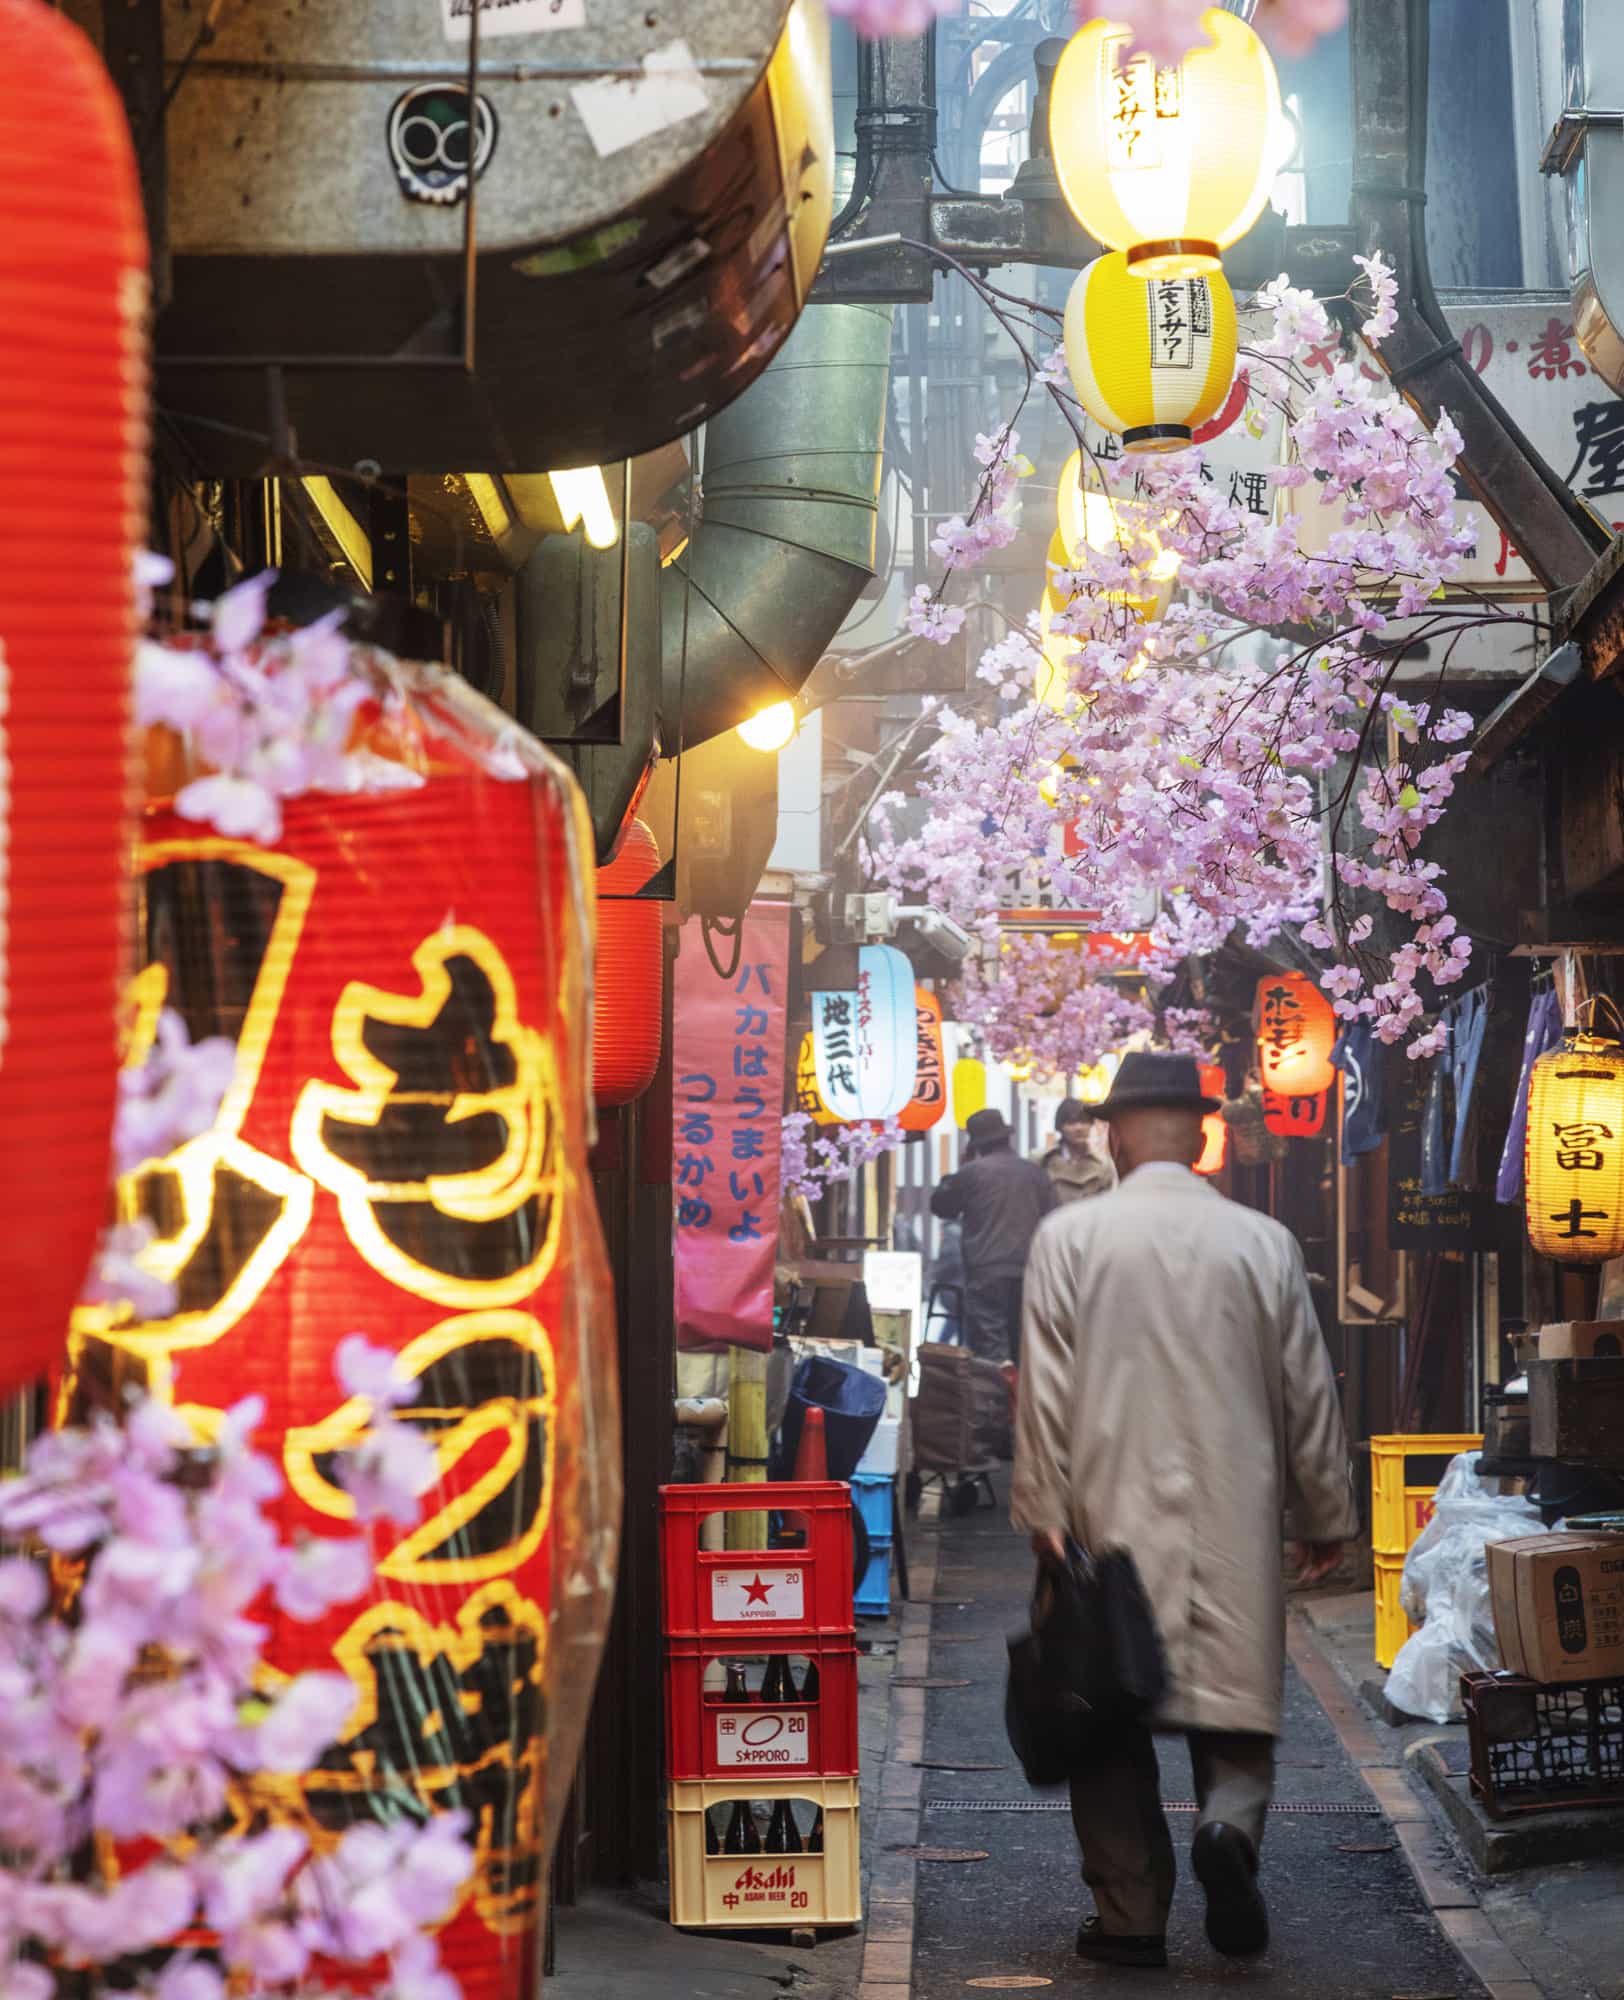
pixel 929 1098
pixel 1574 1151
pixel 73 478
pixel 1296 1032
pixel 1214 1128
pixel 402 1153
pixel 629 982
pixel 1295 1117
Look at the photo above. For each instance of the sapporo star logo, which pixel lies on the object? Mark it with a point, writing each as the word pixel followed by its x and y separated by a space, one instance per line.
pixel 756 1593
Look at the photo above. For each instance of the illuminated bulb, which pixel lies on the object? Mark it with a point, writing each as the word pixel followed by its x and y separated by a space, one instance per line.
pixel 582 496
pixel 771 728
pixel 487 497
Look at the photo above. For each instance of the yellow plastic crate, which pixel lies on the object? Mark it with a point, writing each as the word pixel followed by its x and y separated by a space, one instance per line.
pixel 1392 1627
pixel 761 1891
pixel 1399 1510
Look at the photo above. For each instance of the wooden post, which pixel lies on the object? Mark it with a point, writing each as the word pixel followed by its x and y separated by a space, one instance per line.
pixel 747 1442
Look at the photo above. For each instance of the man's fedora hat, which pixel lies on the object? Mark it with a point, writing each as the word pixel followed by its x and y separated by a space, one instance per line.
pixel 1150 1078
pixel 987 1128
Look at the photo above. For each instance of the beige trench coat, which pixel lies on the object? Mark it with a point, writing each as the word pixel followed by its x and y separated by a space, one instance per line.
pixel 1175 1399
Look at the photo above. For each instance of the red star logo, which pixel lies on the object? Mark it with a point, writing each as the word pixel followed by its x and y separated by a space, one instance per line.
pixel 756 1593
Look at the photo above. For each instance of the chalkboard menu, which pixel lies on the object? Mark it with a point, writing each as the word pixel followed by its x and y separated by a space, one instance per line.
pixel 1462 1218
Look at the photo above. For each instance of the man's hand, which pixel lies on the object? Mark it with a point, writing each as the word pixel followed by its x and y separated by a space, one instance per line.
pixel 1049 1545
pixel 1316 1561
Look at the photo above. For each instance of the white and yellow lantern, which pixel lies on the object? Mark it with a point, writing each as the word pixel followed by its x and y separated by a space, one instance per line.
pixel 1574 1152
pixel 1168 164
pixel 1149 359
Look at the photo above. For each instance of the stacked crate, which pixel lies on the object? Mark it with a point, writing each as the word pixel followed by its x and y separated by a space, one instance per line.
pixel 872 1494
pixel 761 1711
pixel 1404 1472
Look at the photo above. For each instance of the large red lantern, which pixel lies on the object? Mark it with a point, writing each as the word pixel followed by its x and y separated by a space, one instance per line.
pixel 629 989
pixel 402 1153
pixel 1295 1117
pixel 1296 1032
pixel 73 430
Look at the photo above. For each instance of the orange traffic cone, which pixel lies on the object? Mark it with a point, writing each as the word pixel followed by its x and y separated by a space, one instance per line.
pixel 812 1453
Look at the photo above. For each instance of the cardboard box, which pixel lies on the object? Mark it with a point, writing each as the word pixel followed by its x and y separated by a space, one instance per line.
pixel 1559 1605
pixel 1582 1340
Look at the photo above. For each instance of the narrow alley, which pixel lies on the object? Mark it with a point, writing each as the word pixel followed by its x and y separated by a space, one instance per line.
pixel 1347 1913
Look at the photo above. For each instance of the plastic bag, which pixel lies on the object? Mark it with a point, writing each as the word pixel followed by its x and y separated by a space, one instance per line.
pixel 1446 1590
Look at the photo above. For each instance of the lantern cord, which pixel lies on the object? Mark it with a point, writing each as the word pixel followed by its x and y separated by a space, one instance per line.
pixel 1587 1008
pixel 714 927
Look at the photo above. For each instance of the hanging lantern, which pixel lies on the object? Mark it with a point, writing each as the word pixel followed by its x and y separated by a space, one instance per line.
pixel 73 431
pixel 403 1153
pixel 1301 1117
pixel 1166 164
pixel 1150 360
pixel 929 1099
pixel 1214 1130
pixel 1093 1084
pixel 1296 1032
pixel 629 988
pixel 808 1097
pixel 865 1042
pixel 969 1090
pixel 1574 1152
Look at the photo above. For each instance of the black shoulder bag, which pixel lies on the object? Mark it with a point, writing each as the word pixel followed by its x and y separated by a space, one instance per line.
pixel 1091 1660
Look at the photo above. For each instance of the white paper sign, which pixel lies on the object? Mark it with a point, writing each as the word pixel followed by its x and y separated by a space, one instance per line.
pixel 763 1739
pixel 757 1596
pixel 618 111
pixel 511 17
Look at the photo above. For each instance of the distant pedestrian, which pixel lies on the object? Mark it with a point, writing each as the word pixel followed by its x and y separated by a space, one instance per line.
pixel 1175 1399
pixel 999 1199
pixel 1072 1164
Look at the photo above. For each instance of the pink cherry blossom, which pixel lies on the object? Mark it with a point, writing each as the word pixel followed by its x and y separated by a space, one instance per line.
pixel 320 1573
pixel 373 1373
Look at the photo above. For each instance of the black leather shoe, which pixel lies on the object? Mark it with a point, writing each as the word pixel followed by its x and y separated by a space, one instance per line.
pixel 1106 1949
pixel 1225 1864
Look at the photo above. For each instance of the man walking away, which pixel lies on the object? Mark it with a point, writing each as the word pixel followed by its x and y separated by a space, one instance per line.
pixel 1000 1199
pixel 1074 1167
pixel 1175 1399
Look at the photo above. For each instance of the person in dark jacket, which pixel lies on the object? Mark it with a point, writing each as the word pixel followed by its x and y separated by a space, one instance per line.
pixel 999 1199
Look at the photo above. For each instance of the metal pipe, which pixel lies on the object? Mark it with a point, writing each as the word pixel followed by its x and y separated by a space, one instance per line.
pixel 786 540
pixel 1557 536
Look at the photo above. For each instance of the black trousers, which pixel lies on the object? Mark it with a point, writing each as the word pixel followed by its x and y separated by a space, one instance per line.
pixel 992 1314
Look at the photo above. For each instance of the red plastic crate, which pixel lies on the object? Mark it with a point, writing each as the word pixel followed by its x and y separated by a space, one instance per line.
pixel 714 1738
pixel 761 1598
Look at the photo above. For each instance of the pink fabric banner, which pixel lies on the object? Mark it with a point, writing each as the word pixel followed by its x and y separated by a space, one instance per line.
pixel 728 1090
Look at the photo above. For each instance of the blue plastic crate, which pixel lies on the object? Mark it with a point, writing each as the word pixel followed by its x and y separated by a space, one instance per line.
pixel 872 1495
pixel 872 1598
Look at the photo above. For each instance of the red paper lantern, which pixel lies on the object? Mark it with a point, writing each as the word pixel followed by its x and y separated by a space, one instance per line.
pixel 629 990
pixel 1214 1127
pixel 929 1099
pixel 1296 1032
pixel 403 1154
pixel 1295 1117
pixel 73 432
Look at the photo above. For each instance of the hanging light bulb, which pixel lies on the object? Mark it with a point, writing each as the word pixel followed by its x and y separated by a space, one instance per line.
pixel 1167 164
pixel 1149 361
pixel 582 496
pixel 770 728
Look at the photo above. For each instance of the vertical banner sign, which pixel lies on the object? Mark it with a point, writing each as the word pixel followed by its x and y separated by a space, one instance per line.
pixel 728 1056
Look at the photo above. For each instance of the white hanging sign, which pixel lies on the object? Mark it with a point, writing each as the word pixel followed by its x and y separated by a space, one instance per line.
pixel 865 1042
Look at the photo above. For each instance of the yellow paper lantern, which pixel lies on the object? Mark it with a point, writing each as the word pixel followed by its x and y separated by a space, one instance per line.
pixel 1168 165
pixel 969 1089
pixel 808 1097
pixel 1150 360
pixel 1574 1152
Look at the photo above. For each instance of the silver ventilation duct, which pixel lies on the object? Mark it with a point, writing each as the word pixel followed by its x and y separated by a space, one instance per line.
pixel 791 492
pixel 1587 149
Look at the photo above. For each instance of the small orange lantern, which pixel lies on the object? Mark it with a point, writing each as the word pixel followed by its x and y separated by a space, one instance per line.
pixel 1296 1032
pixel 1214 1128
pixel 808 1097
pixel 1295 1117
pixel 629 989
pixel 929 1099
